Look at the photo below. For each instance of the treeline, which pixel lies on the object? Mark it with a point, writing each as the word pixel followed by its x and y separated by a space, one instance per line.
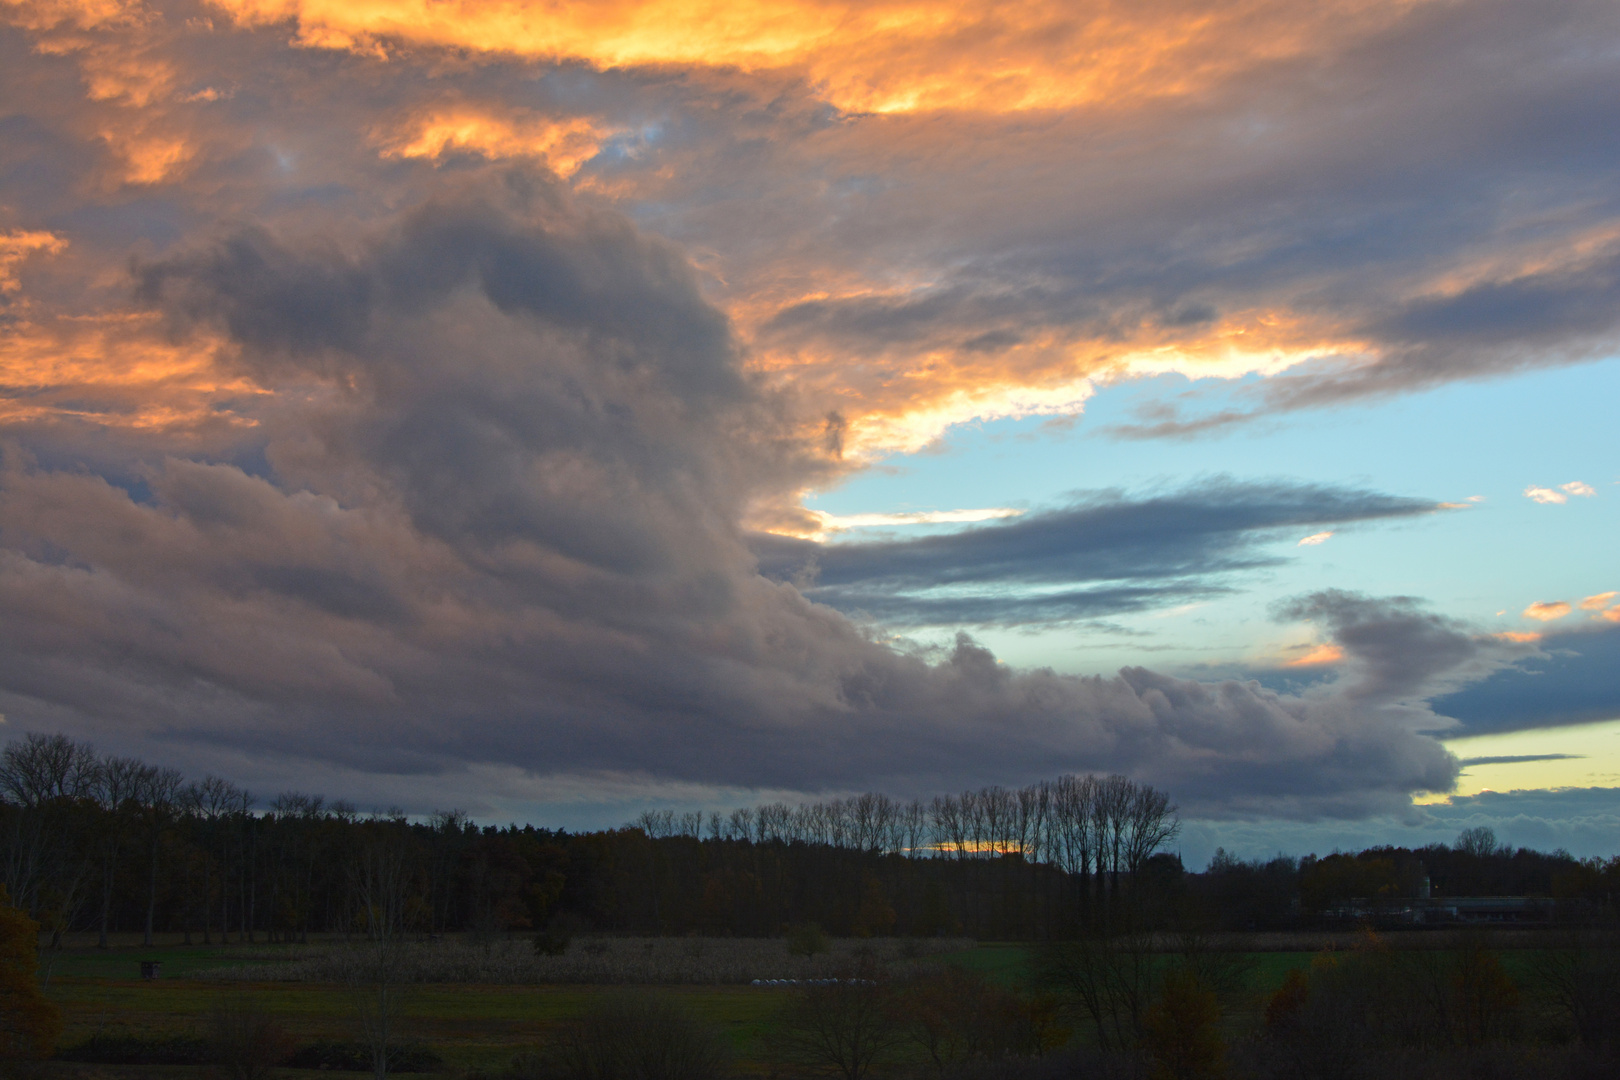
pixel 1286 892
pixel 110 844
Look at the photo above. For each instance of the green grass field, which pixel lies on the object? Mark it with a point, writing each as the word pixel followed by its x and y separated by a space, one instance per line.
pixel 480 1026
pixel 471 1026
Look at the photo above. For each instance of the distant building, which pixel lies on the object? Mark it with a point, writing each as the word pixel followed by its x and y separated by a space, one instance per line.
pixel 1427 910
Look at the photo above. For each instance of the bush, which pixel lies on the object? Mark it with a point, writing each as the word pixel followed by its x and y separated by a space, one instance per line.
pixel 632 1037
pixel 356 1057
pixel 244 1041
pixel 806 939
pixel 551 942
pixel 1181 1031
pixel 958 1017
pixel 135 1050
pixel 29 1024
pixel 845 1027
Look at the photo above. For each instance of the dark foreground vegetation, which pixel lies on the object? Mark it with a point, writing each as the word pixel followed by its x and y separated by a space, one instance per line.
pixel 1126 1005
pixel 374 932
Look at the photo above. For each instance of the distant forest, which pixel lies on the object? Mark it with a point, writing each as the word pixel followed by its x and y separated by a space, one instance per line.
pixel 111 845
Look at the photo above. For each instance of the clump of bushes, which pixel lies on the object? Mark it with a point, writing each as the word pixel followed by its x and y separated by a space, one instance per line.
pixel 806 939
pixel 121 1049
pixel 356 1057
pixel 630 1037
pixel 244 1040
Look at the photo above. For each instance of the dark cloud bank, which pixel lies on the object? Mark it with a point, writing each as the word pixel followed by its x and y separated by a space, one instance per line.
pixel 496 520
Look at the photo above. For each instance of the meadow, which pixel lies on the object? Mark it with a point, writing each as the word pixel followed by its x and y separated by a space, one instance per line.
pixel 474 1023
pixel 474 1002
pixel 478 1002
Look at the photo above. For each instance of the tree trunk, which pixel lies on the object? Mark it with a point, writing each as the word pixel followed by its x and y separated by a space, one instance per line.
pixel 151 887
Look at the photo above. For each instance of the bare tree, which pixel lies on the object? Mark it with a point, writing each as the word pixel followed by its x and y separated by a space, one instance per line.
pixel 158 793
pixel 213 801
pixel 1113 979
pixel 381 880
pixel 844 1027
pixel 44 775
pixel 1480 842
pixel 117 782
pixel 1151 824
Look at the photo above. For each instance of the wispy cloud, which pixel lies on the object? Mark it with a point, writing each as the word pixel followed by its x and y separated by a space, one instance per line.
pixel 1105 555
pixel 1315 538
pixel 1516 759
pixel 839 522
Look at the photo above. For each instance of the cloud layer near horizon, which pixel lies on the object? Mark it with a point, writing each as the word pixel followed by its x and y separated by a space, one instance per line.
pixel 431 382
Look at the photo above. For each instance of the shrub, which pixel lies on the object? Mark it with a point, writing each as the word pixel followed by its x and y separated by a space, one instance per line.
pixel 356 1057
pixel 806 939
pixel 244 1041
pixel 959 1017
pixel 632 1037
pixel 136 1050
pixel 845 1026
pixel 29 1024
pixel 1180 1031
pixel 549 942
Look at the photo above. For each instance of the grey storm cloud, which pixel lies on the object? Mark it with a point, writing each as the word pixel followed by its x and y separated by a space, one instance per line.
pixel 1130 554
pixel 495 521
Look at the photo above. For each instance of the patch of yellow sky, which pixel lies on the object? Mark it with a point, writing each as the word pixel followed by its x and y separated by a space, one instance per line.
pixel 1573 756
pixel 1578 756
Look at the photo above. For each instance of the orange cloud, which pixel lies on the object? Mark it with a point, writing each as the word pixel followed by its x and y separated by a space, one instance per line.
pixel 904 397
pixel 17 246
pixel 1520 637
pixel 148 158
pixel 76 14
pixel 115 371
pixel 880 56
pixel 564 145
pixel 1322 654
pixel 1547 610
pixel 1598 602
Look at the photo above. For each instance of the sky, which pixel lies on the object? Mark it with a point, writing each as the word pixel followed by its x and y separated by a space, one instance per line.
pixel 555 411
